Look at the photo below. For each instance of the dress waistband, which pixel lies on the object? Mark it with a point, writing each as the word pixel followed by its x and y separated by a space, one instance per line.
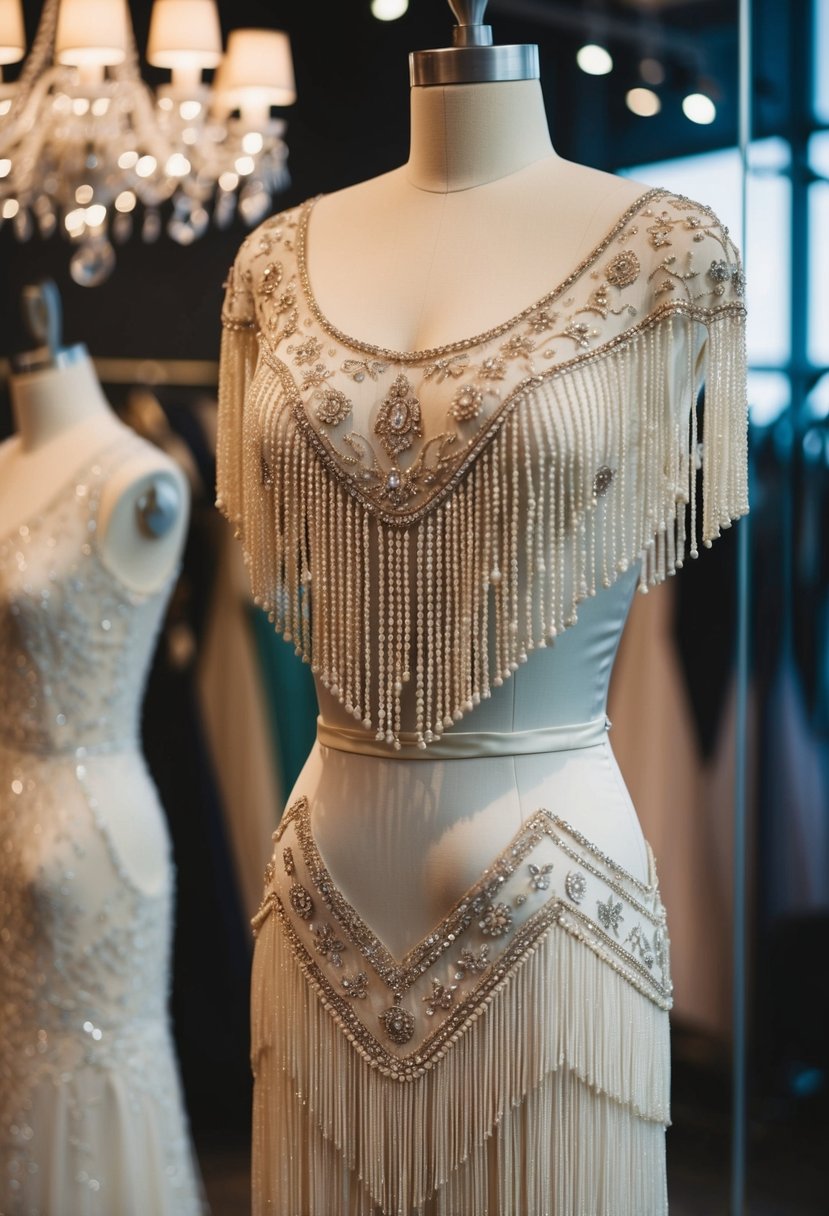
pixel 467 745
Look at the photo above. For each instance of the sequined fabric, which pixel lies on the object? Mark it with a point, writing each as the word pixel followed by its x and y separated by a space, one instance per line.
pixel 91 1119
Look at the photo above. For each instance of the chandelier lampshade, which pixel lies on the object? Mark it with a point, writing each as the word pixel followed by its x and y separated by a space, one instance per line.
pixel 92 32
pixel 258 69
pixel 184 33
pixel 12 33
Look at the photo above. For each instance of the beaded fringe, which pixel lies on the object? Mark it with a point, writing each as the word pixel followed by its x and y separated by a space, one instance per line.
pixel 565 1054
pixel 590 470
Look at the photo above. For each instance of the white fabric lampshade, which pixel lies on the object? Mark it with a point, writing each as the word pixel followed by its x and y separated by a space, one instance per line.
pixel 92 32
pixel 12 33
pixel 258 66
pixel 184 33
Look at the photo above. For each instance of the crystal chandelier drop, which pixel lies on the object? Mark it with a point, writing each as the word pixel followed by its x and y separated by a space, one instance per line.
pixel 87 147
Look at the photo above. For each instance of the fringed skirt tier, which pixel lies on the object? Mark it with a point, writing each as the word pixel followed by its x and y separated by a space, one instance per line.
pixel 514 1063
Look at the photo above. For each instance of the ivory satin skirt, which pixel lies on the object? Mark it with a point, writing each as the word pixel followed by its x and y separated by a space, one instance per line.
pixel 514 1063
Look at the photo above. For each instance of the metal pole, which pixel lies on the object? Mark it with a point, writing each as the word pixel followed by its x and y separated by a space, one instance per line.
pixel 739 1027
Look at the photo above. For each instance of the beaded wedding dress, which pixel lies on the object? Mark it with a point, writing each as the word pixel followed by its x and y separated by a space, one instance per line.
pixel 480 1026
pixel 91 1116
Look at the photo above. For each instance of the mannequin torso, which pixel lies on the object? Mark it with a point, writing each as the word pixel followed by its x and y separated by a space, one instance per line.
pixel 63 420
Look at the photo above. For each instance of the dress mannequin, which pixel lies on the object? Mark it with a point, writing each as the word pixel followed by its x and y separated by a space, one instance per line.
pixel 92 521
pixel 392 330
pixel 61 417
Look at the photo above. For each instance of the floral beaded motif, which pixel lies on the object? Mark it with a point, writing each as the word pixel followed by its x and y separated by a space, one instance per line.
pixel 420 1002
pixel 355 986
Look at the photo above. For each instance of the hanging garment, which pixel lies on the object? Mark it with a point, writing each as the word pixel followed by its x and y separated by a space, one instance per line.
pixel 421 526
pixel 91 1117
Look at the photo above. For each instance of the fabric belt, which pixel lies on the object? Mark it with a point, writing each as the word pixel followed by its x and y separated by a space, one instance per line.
pixel 467 745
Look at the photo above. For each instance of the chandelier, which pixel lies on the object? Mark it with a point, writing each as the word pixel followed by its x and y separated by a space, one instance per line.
pixel 88 148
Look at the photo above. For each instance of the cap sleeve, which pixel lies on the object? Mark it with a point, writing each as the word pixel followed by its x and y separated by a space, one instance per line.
pixel 237 362
pixel 697 282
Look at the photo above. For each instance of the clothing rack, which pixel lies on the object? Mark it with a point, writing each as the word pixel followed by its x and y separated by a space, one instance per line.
pixel 152 373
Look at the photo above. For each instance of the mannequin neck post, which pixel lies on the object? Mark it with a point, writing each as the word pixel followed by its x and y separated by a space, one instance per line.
pixel 466 135
pixel 50 401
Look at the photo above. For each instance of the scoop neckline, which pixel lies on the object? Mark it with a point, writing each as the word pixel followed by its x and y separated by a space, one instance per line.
pixel 461 344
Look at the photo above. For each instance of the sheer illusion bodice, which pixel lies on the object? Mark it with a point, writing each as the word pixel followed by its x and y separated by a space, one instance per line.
pixel 416 523
pixel 91 1119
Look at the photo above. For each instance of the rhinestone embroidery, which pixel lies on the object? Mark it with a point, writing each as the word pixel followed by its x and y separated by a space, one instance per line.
pixel 442 368
pixel 637 940
pixel 329 945
pixel 331 406
pixel 398 423
pixel 471 963
pixel 467 402
pixel 440 997
pixel 355 986
pixel 610 914
pixel 307 352
pixel 602 481
pixel 496 920
pixel 303 905
pixel 428 1008
pixel 540 876
pixel 623 270
pixel 358 369
pixel 398 1025
pixel 474 970
pixel 576 886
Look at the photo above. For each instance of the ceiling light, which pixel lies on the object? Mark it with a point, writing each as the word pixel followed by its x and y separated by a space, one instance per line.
pixel 643 102
pixel 594 59
pixel 699 108
pixel 652 70
pixel 388 10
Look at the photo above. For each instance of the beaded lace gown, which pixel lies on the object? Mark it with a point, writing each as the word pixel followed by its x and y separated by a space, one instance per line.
pixel 91 1115
pixel 451 539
